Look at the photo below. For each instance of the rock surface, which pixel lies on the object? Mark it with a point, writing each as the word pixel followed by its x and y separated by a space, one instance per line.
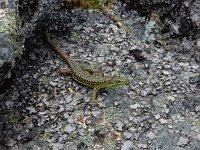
pixel 8 45
pixel 159 109
pixel 7 57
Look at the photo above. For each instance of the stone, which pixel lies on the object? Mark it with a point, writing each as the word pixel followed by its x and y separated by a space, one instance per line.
pixel 96 113
pixel 163 121
pixel 197 108
pixel 52 83
pixel 10 142
pixel 183 141
pixel 7 57
pixel 157 116
pixel 31 109
pixel 135 106
pixel 165 72
pixel 143 93
pixel 69 128
pixel 56 146
pixel 127 145
pixel 119 125
pixel 127 135
pixel 143 146
pixel 150 135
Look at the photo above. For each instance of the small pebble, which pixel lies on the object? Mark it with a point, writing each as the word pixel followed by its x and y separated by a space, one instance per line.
pixel 157 116
pixel 197 108
pixel 119 126
pixel 150 135
pixel 127 135
pixel 183 141
pixel 69 128
pixel 127 145
pixel 163 121
pixel 53 83
pixel 144 146
pixel 135 106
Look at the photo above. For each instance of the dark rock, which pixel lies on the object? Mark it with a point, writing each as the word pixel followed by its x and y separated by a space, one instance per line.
pixel 178 16
pixel 137 54
pixel 37 16
pixel 191 101
pixel 195 80
pixel 2 4
pixel 7 57
pixel 9 48
pixel 82 146
pixel 10 142
pixel 180 22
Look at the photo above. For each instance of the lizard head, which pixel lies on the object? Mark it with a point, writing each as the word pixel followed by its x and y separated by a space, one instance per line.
pixel 117 81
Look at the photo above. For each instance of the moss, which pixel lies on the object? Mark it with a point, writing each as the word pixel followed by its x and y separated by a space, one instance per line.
pixel 9 25
pixel 74 34
pixel 61 130
pixel 87 139
pixel 71 136
pixel 102 128
pixel 44 135
pixel 110 113
pixel 12 117
pixel 196 121
pixel 93 4
pixel 111 144
pixel 46 79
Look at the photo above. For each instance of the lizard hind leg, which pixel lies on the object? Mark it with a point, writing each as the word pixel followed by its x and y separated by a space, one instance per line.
pixel 94 96
pixel 92 70
pixel 64 71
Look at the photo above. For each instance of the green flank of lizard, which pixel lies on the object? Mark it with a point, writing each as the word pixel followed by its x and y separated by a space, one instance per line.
pixel 87 76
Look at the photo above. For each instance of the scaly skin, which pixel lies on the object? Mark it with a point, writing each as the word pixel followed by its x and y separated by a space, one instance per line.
pixel 87 76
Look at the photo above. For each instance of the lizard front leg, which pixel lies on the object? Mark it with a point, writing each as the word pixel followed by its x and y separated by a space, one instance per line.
pixel 94 96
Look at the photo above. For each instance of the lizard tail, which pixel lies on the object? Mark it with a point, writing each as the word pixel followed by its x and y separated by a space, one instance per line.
pixel 54 48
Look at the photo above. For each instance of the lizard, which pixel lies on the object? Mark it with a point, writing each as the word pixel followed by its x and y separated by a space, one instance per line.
pixel 87 76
